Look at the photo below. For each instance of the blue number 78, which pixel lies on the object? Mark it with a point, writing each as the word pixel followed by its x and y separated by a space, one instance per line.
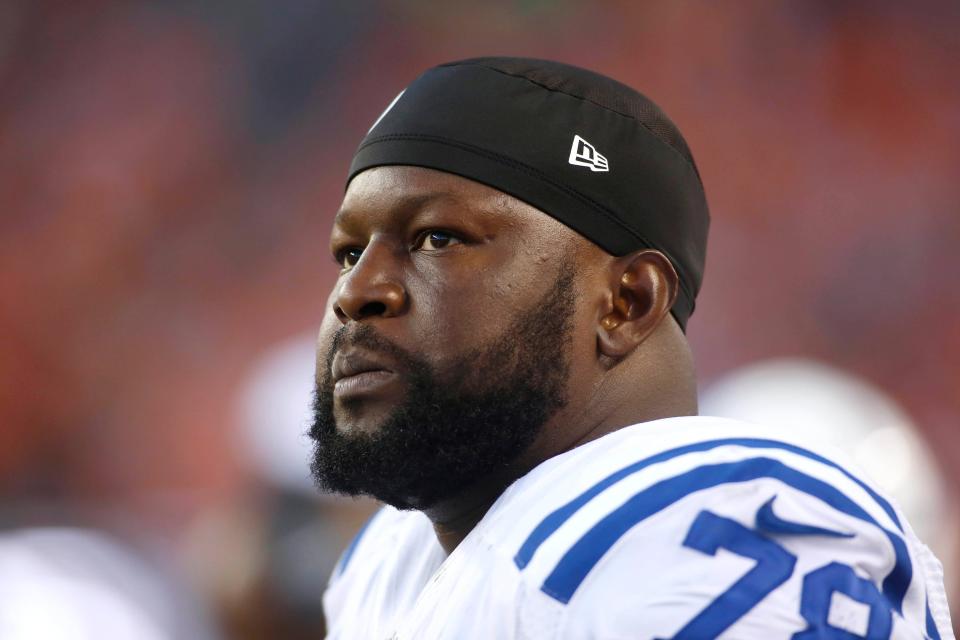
pixel 775 565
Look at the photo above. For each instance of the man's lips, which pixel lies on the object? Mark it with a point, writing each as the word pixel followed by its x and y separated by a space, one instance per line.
pixel 357 372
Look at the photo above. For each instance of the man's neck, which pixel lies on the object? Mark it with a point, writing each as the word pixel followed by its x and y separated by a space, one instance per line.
pixel 455 518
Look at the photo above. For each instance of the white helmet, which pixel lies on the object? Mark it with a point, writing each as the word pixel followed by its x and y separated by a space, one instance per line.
pixel 831 406
pixel 64 583
pixel 274 414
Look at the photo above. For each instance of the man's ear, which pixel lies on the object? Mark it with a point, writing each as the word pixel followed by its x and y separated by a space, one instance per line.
pixel 643 287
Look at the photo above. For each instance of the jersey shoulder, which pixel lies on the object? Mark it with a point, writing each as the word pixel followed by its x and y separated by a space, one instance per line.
pixel 692 528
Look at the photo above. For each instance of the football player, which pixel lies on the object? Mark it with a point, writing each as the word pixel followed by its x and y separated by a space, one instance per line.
pixel 503 362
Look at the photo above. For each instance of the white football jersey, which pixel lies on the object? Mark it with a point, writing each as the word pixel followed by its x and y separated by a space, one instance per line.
pixel 683 528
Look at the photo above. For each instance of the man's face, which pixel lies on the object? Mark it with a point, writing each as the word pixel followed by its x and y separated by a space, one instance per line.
pixel 448 338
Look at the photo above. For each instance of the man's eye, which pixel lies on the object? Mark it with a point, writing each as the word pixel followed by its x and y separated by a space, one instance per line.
pixel 349 257
pixel 433 240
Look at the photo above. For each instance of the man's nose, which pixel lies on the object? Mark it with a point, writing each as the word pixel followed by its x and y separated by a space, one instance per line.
pixel 372 288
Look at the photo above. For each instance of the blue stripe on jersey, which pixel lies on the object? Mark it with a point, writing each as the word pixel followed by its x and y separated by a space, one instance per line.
pixel 574 566
pixel 556 519
pixel 932 632
pixel 345 558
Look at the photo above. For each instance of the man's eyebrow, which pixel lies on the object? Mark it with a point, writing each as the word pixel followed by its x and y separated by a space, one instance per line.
pixel 402 204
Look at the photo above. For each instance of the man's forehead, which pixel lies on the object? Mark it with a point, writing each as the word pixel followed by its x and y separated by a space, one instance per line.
pixel 408 188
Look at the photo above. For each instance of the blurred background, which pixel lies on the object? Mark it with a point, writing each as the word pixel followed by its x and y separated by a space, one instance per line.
pixel 168 175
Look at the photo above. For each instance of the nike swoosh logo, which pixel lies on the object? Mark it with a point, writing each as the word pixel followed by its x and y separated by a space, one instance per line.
pixel 769 522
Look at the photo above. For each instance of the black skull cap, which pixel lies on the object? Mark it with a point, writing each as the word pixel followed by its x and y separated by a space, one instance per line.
pixel 583 148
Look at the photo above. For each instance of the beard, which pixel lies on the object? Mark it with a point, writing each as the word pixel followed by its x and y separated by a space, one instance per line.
pixel 468 423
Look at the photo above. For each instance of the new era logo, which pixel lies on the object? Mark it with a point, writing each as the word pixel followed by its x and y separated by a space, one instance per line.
pixel 583 154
